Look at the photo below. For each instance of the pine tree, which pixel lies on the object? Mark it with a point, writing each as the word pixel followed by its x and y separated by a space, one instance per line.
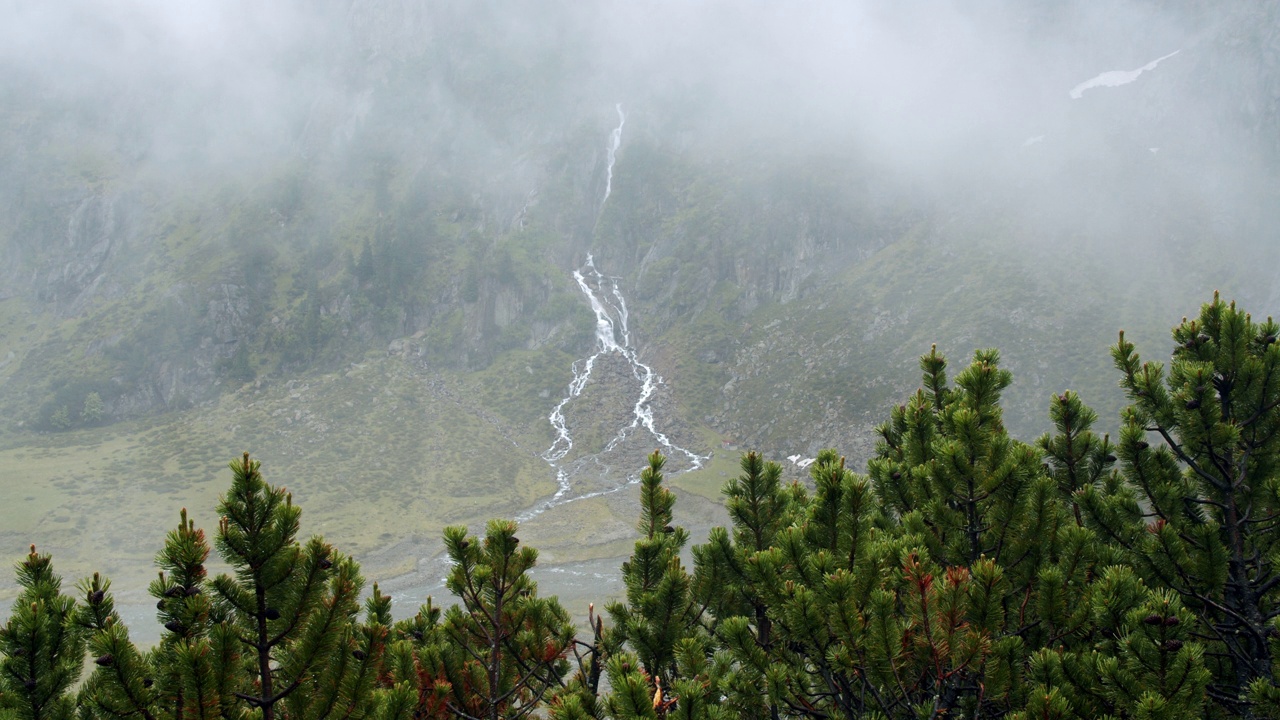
pixel 414 668
pixel 197 656
pixel 191 673
pixel 963 484
pixel 989 518
pixel 503 650
pixel 659 610
pixel 1078 458
pixel 291 608
pixel 724 578
pixel 957 580
pixel 43 646
pixel 121 683
pixel 1199 510
pixel 1110 665
pixel 280 636
pixel 93 408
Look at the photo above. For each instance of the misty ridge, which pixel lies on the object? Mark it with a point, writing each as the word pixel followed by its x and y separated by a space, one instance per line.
pixel 927 96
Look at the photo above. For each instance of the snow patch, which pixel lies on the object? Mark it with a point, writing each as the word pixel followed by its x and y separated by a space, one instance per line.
pixel 1116 78
pixel 800 461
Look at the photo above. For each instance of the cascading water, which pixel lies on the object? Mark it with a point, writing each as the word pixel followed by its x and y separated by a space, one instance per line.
pixel 615 141
pixel 613 338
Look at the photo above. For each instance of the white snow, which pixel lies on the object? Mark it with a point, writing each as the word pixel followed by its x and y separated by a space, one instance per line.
pixel 800 461
pixel 1116 78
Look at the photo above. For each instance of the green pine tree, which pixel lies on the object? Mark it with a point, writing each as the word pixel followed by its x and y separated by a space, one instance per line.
pixel 1199 507
pixel 414 667
pixel 990 518
pixel 959 579
pixel 291 608
pixel 725 581
pixel 42 644
pixel 660 610
pixel 197 656
pixel 93 408
pixel 192 672
pixel 501 652
pixel 122 683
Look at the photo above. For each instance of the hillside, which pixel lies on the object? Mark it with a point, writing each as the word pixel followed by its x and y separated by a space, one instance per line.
pixel 351 250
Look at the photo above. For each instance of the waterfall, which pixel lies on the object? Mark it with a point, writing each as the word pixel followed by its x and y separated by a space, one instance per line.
pixel 615 140
pixel 613 337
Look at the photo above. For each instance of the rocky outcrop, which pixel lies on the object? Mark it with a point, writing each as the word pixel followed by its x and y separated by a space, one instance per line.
pixel 227 313
pixel 71 269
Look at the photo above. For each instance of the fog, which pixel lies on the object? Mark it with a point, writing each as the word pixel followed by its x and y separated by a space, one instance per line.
pixel 932 96
pixel 911 81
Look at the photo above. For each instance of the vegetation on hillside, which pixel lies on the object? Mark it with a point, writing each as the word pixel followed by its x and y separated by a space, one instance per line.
pixel 967 574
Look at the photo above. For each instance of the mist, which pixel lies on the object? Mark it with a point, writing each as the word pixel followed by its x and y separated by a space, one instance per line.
pixel 928 97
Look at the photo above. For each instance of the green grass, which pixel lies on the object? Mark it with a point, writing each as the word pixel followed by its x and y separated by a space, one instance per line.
pixel 375 452
pixel 707 481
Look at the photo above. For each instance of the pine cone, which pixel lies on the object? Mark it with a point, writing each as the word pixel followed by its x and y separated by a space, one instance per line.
pixel 1173 645
pixel 271 614
pixel 358 654
pixel 106 660
pixel 1153 619
pixel 174 627
pixel 95 597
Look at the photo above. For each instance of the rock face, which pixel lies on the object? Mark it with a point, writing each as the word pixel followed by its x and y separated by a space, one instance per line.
pixel 70 269
pixel 227 311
